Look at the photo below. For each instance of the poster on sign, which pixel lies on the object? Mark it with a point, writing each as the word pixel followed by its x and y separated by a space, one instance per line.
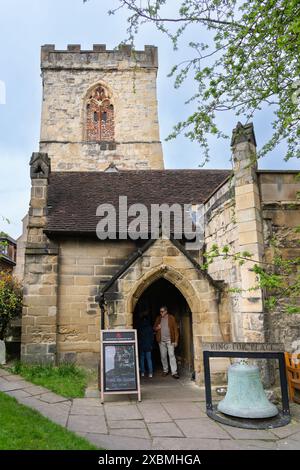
pixel 119 363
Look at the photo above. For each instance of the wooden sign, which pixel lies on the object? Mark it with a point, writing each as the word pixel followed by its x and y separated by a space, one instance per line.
pixel 119 367
pixel 243 347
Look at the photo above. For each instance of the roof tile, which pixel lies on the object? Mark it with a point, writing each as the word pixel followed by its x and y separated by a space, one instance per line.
pixel 73 197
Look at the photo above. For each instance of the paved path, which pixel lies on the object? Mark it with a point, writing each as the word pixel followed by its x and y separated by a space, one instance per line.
pixel 171 416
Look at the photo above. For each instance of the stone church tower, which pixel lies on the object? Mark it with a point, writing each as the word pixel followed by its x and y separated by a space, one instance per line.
pixel 93 105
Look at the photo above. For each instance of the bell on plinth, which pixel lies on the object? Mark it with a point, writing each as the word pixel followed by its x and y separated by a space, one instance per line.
pixel 245 397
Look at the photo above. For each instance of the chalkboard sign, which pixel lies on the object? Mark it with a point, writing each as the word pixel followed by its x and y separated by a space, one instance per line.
pixel 119 363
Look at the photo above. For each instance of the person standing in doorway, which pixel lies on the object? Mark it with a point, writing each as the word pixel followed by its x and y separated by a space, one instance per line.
pixel 167 336
pixel 145 339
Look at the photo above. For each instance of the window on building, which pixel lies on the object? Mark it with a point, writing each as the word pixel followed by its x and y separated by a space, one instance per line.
pixel 100 126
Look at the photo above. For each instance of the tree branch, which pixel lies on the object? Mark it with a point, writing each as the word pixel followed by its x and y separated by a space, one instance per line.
pixel 141 12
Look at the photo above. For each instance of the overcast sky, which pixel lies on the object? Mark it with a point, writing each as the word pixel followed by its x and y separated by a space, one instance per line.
pixel 27 24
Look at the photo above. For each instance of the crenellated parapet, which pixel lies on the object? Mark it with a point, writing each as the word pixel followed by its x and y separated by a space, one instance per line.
pixel 100 107
pixel 98 58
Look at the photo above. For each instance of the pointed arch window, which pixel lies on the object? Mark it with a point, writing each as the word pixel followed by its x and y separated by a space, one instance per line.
pixel 100 125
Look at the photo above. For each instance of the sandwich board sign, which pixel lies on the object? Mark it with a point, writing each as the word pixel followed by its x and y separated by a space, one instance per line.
pixel 119 365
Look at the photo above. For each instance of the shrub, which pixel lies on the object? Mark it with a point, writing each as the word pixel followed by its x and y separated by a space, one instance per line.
pixel 11 299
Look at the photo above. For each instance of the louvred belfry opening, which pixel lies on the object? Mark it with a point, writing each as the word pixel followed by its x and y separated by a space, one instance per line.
pixel 100 116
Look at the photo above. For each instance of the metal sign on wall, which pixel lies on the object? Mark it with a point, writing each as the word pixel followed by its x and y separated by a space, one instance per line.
pixel 119 366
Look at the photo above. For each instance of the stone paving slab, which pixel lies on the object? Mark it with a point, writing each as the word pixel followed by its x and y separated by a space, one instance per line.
pixel 94 402
pixel 59 416
pixel 128 411
pixel 295 411
pixel 238 433
pixel 120 399
pixel 33 402
pixel 227 444
pixel 155 395
pixel 137 433
pixel 118 442
pixel 127 424
pixel 87 410
pixel 184 410
pixel 18 394
pixel 291 443
pixel 286 431
pixel 36 390
pixel 181 443
pixel 154 413
pixel 248 445
pixel 4 372
pixel 170 419
pixel 13 378
pixel 6 386
pixel 164 430
pixel 87 424
pixel 51 397
pixel 57 412
pixel 202 428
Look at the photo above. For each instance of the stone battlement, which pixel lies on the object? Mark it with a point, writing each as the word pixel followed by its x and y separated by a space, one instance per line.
pixel 98 58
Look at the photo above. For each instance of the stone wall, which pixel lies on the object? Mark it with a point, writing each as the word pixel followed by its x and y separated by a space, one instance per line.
pixel 164 260
pixel 83 265
pixel 251 317
pixel 39 315
pixel 221 229
pixel 233 219
pixel 281 216
pixel 68 79
pixel 248 213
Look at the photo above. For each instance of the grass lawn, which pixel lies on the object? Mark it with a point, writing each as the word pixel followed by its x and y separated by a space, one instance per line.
pixel 24 429
pixel 67 380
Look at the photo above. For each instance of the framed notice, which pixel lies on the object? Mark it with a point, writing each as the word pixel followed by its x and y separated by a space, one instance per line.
pixel 119 367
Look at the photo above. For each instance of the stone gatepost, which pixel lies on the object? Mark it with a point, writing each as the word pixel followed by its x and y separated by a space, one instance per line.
pixel 40 282
pixel 249 321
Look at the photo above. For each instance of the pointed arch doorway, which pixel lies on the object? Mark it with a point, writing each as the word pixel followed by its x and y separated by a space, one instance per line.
pixel 163 292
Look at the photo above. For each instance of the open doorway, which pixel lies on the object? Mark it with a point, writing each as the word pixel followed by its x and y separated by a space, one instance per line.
pixel 163 292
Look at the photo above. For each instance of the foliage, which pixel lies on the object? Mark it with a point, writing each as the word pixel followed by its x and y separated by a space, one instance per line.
pixel 3 243
pixel 10 301
pixel 67 380
pixel 24 429
pixel 247 57
pixel 280 280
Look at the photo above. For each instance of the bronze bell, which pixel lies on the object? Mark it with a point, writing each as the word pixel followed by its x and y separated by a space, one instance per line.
pixel 245 397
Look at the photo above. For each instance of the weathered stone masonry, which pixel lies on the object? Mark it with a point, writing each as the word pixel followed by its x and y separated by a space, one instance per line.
pixel 129 77
pixel 39 320
pixel 167 259
pixel 246 213
pixel 67 269
pixel 281 217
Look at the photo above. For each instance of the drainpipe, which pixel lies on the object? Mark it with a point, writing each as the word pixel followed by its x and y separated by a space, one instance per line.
pixel 101 300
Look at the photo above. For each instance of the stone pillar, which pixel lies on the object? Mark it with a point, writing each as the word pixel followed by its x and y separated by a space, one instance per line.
pixel 40 281
pixel 249 322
